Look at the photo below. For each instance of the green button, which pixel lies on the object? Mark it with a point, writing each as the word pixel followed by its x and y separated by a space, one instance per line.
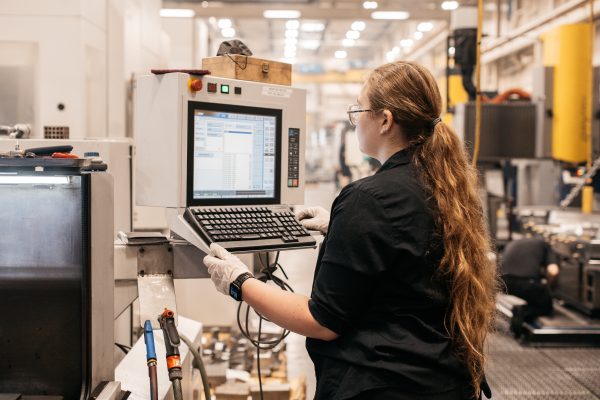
pixel 225 89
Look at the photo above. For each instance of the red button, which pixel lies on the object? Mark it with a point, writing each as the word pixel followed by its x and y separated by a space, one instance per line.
pixel 195 84
pixel 295 182
pixel 212 87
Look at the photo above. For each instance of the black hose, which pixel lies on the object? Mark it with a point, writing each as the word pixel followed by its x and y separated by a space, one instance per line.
pixel 258 359
pixel 268 271
pixel 200 363
pixel 177 393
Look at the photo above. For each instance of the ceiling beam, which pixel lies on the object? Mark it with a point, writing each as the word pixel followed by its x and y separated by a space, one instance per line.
pixel 315 12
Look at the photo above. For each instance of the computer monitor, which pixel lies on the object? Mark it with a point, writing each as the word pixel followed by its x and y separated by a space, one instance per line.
pixel 230 143
pixel 234 154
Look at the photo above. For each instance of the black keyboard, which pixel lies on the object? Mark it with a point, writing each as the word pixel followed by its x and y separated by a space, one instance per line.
pixel 249 228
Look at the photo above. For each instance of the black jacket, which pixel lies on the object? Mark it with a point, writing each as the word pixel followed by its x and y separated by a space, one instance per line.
pixel 377 285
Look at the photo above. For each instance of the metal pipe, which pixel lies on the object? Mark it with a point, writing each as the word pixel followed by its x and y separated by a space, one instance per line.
pixel 528 27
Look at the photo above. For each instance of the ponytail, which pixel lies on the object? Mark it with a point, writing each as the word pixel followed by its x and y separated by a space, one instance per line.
pixel 452 182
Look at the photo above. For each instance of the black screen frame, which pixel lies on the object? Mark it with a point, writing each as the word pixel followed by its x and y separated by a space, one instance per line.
pixel 231 108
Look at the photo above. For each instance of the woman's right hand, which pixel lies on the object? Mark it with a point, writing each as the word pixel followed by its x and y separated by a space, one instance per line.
pixel 314 218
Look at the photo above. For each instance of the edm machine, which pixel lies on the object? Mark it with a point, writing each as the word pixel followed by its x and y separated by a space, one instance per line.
pixel 56 337
pixel 225 157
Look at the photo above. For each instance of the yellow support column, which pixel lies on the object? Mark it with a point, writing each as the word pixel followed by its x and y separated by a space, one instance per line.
pixel 572 82
pixel 457 95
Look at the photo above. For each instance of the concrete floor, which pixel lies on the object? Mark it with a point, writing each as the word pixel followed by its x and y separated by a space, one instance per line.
pixel 513 371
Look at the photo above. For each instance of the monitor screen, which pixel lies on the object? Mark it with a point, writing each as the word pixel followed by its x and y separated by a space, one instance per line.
pixel 234 154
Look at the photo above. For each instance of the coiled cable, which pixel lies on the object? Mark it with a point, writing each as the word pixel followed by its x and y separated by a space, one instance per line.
pixel 267 274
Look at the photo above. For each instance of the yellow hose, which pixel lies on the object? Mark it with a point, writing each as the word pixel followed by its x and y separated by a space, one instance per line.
pixel 478 83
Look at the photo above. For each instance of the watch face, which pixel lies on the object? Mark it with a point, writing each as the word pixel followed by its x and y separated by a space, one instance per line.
pixel 235 292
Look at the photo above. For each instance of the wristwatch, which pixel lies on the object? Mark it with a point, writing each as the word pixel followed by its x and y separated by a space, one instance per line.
pixel 235 288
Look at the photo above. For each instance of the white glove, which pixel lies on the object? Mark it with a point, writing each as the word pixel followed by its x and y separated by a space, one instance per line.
pixel 314 218
pixel 223 267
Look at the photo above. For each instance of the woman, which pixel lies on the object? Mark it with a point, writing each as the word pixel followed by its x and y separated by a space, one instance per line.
pixel 403 296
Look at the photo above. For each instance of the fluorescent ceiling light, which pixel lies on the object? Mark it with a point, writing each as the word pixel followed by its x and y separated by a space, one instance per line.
pixel 312 26
pixel 291 41
pixel 390 56
pixel 352 35
pixel 449 5
pixel 310 44
pixel 228 32
pixel 396 50
pixel 177 12
pixel 46 180
pixel 291 34
pixel 390 15
pixel 407 42
pixel 290 47
pixel 348 42
pixel 370 5
pixel 418 35
pixel 341 54
pixel 224 23
pixel 425 26
pixel 292 24
pixel 289 53
pixel 288 14
pixel 358 26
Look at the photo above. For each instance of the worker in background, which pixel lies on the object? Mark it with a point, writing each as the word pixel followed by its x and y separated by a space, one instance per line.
pixel 529 268
pixel 345 174
pixel 404 289
pixel 465 43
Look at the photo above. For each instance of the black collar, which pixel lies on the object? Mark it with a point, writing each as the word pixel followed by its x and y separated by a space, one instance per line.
pixel 401 157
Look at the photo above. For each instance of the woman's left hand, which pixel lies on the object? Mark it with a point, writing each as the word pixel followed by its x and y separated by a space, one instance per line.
pixel 223 267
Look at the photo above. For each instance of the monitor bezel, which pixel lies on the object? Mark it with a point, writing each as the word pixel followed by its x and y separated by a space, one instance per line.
pixel 232 108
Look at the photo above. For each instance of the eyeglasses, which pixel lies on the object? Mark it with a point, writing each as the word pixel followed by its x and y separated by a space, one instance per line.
pixel 353 113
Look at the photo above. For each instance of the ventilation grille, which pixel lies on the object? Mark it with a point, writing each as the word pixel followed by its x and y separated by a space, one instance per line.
pixel 56 132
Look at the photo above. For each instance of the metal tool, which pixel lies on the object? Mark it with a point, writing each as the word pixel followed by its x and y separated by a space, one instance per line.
pixel 172 342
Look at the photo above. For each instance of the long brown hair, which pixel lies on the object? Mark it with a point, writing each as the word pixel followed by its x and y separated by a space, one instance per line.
pixel 411 94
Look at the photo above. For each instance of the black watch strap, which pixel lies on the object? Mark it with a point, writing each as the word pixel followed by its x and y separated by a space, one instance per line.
pixel 235 288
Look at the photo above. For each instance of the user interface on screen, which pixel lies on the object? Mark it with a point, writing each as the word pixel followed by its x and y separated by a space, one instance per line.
pixel 234 154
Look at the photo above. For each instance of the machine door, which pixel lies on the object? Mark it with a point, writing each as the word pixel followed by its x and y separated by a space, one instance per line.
pixel 44 262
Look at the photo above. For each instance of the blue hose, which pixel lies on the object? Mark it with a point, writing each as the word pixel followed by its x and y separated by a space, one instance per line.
pixel 149 340
pixel 151 359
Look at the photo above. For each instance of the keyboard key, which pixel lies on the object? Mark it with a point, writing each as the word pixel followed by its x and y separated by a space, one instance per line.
pixel 250 236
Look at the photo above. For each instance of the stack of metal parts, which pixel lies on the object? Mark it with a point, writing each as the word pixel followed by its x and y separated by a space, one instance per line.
pixel 574 237
pixel 238 353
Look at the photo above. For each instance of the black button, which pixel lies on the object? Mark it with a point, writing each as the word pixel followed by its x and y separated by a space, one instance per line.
pixel 237 90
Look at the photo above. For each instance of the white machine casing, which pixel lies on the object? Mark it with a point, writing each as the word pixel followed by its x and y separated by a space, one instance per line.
pixel 161 131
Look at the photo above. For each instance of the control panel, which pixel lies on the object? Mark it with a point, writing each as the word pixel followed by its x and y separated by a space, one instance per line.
pixel 293 157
